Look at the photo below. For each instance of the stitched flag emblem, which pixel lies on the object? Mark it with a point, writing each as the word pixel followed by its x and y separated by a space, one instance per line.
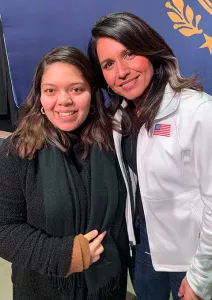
pixel 162 129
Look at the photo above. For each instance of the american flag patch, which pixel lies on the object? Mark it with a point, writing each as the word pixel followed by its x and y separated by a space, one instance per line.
pixel 162 129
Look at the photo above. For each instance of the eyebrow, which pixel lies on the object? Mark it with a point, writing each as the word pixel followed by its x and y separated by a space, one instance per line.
pixel 105 60
pixel 110 59
pixel 71 84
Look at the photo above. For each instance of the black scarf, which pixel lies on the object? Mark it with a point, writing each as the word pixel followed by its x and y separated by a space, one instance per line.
pixel 78 198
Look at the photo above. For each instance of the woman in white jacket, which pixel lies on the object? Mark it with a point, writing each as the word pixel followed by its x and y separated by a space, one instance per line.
pixel 163 140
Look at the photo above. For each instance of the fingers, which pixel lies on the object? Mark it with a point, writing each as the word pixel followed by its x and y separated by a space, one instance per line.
pixel 185 291
pixel 97 241
pixel 96 247
pixel 96 258
pixel 180 294
pixel 182 289
pixel 99 250
pixel 96 253
pixel 91 235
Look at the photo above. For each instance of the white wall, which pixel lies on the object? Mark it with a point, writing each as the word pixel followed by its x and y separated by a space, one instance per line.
pixel 5 281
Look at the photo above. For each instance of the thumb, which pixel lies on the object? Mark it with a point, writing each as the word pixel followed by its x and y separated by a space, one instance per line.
pixel 91 235
pixel 182 288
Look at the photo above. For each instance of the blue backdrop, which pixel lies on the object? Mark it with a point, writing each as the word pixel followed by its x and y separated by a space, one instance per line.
pixel 32 28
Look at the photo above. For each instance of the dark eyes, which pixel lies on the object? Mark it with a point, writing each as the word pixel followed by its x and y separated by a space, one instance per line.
pixel 109 64
pixel 77 90
pixel 73 90
pixel 129 54
pixel 49 91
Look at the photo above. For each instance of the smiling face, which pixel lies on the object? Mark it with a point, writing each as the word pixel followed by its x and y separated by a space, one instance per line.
pixel 126 73
pixel 65 96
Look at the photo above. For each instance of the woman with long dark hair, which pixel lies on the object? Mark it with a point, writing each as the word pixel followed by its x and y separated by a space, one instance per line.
pixel 162 135
pixel 62 199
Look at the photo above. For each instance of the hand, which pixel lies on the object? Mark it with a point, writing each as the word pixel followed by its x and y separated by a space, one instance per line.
pixel 96 247
pixel 186 293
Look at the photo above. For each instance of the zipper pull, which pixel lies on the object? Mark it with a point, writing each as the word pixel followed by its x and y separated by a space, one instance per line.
pixel 131 245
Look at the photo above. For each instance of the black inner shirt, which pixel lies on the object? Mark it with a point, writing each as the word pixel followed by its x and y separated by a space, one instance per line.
pixel 129 150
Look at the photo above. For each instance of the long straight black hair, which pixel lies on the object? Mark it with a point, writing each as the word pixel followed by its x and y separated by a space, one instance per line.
pixel 136 35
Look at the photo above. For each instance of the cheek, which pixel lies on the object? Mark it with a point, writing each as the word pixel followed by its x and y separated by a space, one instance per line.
pixel 145 65
pixel 47 104
pixel 84 104
pixel 150 72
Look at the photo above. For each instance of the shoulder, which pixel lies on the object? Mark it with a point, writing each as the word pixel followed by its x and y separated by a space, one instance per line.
pixel 9 159
pixel 193 99
pixel 194 116
pixel 6 154
pixel 192 103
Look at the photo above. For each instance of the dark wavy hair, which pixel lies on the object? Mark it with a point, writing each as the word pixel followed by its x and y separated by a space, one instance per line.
pixel 35 131
pixel 137 36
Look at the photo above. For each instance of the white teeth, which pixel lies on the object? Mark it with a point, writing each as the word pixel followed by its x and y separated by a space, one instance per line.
pixel 128 83
pixel 66 113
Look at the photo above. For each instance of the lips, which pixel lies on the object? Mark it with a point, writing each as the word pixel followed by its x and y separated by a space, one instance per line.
pixel 64 114
pixel 128 84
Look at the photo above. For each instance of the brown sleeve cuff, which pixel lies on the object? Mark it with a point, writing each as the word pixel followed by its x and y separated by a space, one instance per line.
pixel 86 255
pixel 81 257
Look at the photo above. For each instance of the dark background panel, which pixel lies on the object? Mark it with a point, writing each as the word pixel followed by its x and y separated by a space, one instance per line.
pixel 33 27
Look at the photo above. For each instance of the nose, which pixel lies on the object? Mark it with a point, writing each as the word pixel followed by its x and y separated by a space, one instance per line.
pixel 123 69
pixel 64 99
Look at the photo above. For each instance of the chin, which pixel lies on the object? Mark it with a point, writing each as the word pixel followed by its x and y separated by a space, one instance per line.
pixel 66 128
pixel 131 98
pixel 69 129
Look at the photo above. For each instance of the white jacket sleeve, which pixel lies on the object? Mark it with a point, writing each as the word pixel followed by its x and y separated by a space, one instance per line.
pixel 199 275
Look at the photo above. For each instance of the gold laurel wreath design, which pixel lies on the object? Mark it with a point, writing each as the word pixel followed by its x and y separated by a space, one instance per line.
pixel 183 17
pixel 207 5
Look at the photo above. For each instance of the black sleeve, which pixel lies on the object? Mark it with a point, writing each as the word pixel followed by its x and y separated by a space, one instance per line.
pixel 20 243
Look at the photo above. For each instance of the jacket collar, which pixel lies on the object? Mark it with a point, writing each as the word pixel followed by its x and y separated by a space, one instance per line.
pixel 169 104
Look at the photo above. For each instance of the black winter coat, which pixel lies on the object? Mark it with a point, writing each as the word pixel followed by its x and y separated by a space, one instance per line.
pixel 23 238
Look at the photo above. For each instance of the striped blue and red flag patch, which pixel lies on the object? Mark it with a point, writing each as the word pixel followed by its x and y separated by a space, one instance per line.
pixel 162 129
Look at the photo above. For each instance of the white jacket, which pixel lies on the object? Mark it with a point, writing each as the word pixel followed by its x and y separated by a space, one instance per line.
pixel 175 179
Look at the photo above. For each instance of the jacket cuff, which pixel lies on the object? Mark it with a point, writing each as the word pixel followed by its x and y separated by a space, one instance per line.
pixel 200 283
